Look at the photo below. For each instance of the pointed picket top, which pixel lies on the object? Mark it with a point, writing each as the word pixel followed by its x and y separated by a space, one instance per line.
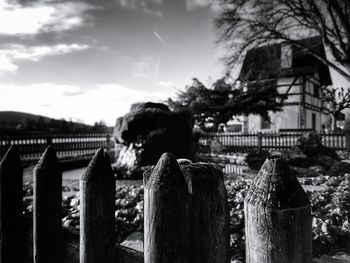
pixel 166 174
pixel 99 167
pixel 48 160
pixel 147 174
pixel 47 204
pixel 276 187
pixel 11 158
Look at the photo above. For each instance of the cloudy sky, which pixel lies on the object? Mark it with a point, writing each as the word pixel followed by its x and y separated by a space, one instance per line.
pixel 90 60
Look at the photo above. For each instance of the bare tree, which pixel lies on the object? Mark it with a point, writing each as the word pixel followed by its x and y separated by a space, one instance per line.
pixel 244 24
pixel 337 100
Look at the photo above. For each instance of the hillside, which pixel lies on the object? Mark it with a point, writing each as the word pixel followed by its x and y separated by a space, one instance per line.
pixel 18 122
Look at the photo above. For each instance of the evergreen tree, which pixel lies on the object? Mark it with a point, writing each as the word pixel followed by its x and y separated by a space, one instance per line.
pixel 223 100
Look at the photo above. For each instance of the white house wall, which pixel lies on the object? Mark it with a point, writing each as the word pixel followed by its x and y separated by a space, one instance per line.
pixel 284 86
pixel 254 122
pixel 289 118
pixel 286 119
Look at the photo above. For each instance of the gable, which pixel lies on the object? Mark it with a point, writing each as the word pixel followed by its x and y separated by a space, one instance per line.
pixel 264 62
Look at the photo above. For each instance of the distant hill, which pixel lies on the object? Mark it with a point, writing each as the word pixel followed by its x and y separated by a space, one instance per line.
pixel 19 122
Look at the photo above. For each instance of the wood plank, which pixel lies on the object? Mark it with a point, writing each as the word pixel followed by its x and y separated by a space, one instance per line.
pixel 277 217
pixel 47 212
pixel 97 207
pixel 11 206
pixel 166 214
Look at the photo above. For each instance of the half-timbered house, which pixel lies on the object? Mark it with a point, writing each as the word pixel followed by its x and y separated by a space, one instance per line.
pixel 294 72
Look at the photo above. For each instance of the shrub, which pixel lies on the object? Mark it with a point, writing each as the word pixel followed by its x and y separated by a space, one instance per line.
pixel 311 145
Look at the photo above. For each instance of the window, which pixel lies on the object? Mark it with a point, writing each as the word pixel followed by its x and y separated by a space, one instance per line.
pixel 286 56
pixel 313 119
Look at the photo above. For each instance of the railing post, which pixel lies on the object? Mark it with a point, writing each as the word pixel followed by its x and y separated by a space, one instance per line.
pixel 277 217
pixel 97 207
pixel 47 214
pixel 11 203
pixel 166 214
pixel 186 216
pixel 259 135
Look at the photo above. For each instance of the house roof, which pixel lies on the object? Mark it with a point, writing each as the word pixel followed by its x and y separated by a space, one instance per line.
pixel 264 62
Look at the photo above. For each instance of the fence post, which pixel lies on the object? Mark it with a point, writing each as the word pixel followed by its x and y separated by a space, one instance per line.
pixel 196 196
pixel 209 229
pixel 11 203
pixel 97 207
pixel 277 217
pixel 259 134
pixel 47 214
pixel 166 214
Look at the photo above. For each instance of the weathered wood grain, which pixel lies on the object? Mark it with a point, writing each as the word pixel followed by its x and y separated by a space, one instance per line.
pixel 209 229
pixel 208 233
pixel 166 214
pixel 11 194
pixel 70 243
pixel 97 206
pixel 47 211
pixel 277 217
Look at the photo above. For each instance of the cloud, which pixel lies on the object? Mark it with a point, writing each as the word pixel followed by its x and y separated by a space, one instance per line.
pixel 103 102
pixel 159 37
pixel 150 7
pixel 7 65
pixel 164 84
pixel 146 67
pixel 9 54
pixel 197 4
pixel 41 16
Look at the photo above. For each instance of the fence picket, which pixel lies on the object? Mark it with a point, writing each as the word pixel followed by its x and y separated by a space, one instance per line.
pixel 196 195
pixel 97 207
pixel 165 197
pixel 47 209
pixel 277 217
pixel 11 225
pixel 209 229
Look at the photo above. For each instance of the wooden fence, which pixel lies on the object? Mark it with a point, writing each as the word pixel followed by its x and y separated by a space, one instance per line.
pixel 186 215
pixel 232 141
pixel 68 146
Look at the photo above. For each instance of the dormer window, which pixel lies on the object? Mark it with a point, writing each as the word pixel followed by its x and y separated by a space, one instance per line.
pixel 286 56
